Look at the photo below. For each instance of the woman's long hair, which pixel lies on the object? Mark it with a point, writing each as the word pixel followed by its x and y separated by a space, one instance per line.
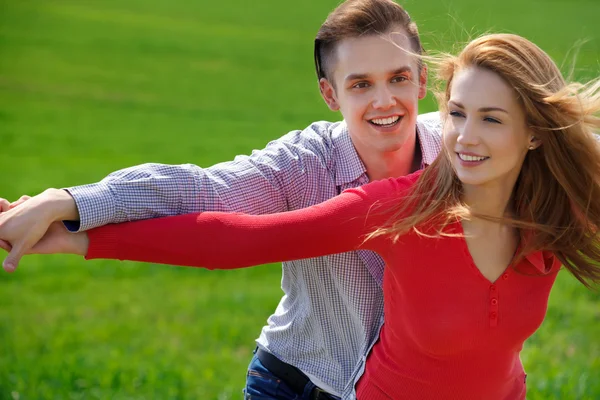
pixel 557 194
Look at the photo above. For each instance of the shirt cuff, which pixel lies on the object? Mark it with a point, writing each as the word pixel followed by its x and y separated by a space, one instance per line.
pixel 96 206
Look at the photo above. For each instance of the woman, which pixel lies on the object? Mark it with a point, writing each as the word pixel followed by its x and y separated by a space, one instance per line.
pixel 472 245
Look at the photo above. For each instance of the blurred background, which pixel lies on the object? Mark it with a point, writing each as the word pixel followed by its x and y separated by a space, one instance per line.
pixel 89 87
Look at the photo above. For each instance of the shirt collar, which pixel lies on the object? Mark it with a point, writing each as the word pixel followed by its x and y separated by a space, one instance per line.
pixel 542 261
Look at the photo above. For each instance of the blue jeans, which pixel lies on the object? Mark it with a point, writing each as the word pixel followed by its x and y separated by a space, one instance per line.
pixel 261 384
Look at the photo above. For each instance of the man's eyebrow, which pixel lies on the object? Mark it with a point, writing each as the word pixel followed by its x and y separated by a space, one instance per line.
pixel 397 71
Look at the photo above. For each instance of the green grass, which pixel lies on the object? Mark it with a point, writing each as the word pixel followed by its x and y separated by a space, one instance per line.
pixel 90 87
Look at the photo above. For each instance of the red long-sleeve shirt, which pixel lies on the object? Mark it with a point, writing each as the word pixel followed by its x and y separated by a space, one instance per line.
pixel 449 332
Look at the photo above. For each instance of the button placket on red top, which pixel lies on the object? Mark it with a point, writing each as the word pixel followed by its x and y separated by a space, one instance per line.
pixel 493 316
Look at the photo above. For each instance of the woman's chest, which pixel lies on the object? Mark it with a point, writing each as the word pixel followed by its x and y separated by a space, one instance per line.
pixel 439 299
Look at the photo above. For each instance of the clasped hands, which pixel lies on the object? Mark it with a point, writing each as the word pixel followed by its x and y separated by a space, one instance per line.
pixel 32 225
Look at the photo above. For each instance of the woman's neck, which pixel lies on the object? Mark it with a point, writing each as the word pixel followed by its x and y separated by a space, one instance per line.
pixel 489 200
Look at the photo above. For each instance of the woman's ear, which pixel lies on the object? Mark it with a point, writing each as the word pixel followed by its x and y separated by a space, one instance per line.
pixel 534 143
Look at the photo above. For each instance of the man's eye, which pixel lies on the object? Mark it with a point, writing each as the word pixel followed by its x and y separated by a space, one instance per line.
pixel 397 79
pixel 360 85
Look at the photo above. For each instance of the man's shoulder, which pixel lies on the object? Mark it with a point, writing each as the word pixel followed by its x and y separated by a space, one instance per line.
pixel 316 139
pixel 429 129
pixel 318 131
pixel 430 124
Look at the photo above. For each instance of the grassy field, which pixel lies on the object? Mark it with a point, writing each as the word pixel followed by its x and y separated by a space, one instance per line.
pixel 88 87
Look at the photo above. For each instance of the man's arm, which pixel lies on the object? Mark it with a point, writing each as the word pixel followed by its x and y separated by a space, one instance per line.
pixel 267 181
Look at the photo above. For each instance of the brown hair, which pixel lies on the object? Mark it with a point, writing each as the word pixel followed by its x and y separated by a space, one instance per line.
pixel 557 195
pixel 354 18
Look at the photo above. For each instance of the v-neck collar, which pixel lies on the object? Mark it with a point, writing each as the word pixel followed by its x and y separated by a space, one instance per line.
pixel 541 261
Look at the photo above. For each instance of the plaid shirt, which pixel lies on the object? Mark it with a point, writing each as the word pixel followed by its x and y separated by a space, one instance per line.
pixel 333 306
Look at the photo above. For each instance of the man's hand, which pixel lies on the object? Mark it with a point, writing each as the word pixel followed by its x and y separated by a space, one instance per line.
pixel 56 240
pixel 5 205
pixel 24 222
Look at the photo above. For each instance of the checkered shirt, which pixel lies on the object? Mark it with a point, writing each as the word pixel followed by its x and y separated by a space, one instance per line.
pixel 332 309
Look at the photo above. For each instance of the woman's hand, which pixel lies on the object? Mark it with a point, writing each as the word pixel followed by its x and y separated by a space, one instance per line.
pixel 28 226
pixel 57 240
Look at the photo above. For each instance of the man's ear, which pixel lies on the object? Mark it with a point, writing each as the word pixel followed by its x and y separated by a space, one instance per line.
pixel 423 82
pixel 328 94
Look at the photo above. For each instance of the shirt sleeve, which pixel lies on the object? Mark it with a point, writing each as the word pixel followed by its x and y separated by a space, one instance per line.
pixel 217 240
pixel 267 181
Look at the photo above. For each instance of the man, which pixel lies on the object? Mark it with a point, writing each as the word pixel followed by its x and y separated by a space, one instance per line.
pixel 365 54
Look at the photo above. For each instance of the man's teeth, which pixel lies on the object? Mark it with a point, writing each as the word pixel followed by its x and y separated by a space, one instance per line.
pixel 465 157
pixel 385 121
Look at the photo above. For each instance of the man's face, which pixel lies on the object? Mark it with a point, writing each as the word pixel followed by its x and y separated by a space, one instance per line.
pixel 376 87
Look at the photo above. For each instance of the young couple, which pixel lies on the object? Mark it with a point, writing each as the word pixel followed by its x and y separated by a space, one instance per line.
pixel 472 243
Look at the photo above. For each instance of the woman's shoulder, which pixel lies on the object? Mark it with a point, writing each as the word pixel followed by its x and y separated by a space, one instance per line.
pixel 386 193
pixel 394 186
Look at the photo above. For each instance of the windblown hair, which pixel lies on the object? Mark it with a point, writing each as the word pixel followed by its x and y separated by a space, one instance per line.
pixel 355 18
pixel 556 199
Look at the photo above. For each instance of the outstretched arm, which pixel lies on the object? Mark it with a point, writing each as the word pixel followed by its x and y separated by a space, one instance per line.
pixel 224 240
pixel 265 182
pixel 268 181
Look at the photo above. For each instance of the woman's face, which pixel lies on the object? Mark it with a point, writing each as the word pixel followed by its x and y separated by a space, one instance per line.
pixel 485 134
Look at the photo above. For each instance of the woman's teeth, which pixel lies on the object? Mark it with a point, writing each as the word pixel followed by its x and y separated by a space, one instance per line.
pixel 465 157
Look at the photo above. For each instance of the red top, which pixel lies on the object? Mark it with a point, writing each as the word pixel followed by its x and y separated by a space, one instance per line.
pixel 449 332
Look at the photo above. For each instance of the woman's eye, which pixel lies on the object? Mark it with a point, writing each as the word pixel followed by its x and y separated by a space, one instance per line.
pixel 492 120
pixel 456 114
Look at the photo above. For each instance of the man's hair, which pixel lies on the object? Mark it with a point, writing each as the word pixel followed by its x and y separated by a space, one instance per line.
pixel 355 18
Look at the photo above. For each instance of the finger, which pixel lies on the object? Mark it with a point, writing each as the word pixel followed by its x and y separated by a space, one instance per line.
pixel 4 205
pixel 5 245
pixel 21 200
pixel 11 262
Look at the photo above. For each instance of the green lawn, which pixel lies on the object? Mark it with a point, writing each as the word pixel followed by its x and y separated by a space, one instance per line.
pixel 90 87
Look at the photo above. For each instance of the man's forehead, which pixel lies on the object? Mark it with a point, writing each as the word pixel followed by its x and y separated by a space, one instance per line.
pixel 394 42
pixel 373 60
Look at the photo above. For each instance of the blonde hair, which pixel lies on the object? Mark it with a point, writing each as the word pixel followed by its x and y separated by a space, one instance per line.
pixel 557 195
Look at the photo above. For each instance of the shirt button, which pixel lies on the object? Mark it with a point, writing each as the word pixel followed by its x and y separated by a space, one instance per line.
pixel 493 315
pixel 505 276
pixel 493 288
pixel 494 302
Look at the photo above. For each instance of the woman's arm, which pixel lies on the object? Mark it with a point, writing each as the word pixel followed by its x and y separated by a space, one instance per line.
pixel 226 240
